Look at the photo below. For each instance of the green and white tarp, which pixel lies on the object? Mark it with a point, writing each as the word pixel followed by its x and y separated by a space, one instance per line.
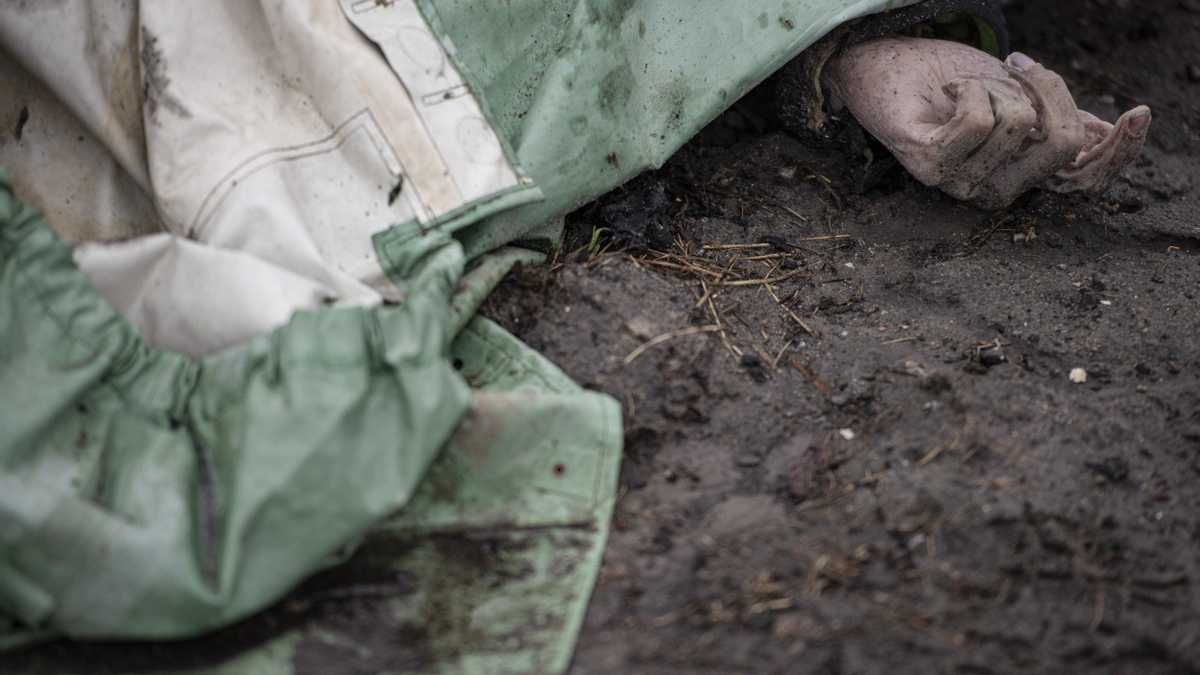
pixel 242 336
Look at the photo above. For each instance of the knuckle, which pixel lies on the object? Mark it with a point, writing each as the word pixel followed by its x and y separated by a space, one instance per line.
pixel 1067 139
pixel 978 121
pixel 1025 116
pixel 1016 116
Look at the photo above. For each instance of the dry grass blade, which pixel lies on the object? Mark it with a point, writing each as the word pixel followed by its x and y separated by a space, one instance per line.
pixel 712 308
pixel 828 185
pixel 666 337
pixel 682 268
pixel 812 377
pixel 733 247
pixel 795 317
pixel 932 455
pixel 743 247
pixel 763 282
pixel 827 237
pixel 779 357
pixel 766 358
pixel 803 218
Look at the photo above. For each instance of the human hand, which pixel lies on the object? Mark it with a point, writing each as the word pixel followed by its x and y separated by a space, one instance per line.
pixel 980 129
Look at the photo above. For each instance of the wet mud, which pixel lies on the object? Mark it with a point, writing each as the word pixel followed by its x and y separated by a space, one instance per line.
pixel 859 437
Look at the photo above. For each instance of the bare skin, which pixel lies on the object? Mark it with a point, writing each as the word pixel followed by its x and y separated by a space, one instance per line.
pixel 980 129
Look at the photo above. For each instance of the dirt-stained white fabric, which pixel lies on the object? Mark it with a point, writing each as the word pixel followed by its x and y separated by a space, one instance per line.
pixel 276 138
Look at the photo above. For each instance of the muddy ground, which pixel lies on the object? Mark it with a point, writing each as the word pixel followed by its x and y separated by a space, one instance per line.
pixel 885 467
pixel 854 445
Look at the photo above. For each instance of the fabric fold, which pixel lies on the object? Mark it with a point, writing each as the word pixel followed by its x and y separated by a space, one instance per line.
pixel 201 489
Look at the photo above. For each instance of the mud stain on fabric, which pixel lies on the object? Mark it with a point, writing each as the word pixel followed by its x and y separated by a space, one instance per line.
pixel 22 120
pixel 156 82
pixel 615 89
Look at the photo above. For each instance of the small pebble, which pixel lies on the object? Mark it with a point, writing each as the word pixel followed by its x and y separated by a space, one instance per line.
pixel 992 357
pixel 847 434
pixel 1079 375
pixel 748 460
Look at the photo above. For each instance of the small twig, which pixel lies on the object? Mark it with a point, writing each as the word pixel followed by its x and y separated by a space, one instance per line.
pixel 932 455
pixel 681 268
pixel 779 356
pixel 977 241
pixel 899 340
pixel 803 219
pixel 795 317
pixel 763 282
pixel 1098 610
pixel 729 268
pixel 937 452
pixel 821 504
pixel 705 295
pixel 665 337
pixel 812 377
pixel 776 605
pixel 732 247
pixel 665 620
pixel 712 308
pixel 762 354
pixel 828 185
pixel 826 237
pixel 740 319
pixel 775 244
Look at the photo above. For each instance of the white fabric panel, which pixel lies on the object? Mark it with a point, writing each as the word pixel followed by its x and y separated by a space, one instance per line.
pixel 468 144
pixel 86 54
pixel 135 276
pixel 274 136
pixel 58 165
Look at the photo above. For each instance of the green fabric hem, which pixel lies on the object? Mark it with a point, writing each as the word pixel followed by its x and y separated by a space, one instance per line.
pixel 402 247
pixel 48 277
pixel 482 279
pixel 172 479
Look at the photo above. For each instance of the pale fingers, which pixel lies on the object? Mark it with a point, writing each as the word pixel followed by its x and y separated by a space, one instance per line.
pixel 946 147
pixel 1110 148
pixel 1014 118
pixel 1059 138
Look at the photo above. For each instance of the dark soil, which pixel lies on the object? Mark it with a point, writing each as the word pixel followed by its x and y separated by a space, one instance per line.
pixel 885 466
pixel 919 487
